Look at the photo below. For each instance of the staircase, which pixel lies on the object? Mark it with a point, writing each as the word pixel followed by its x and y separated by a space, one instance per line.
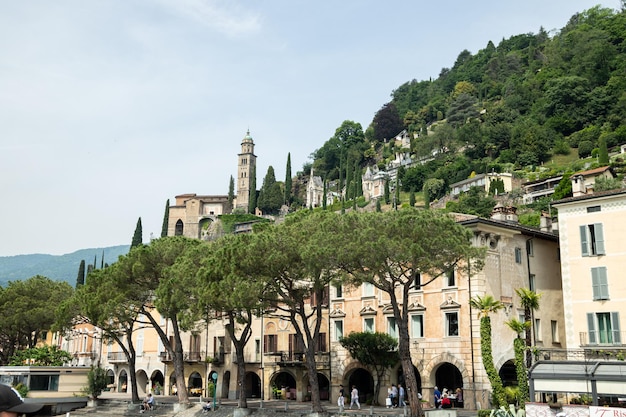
pixel 110 408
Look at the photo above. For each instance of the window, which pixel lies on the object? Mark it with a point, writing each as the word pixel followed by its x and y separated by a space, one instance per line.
pixel 518 255
pixel 604 328
pixel 368 289
pixel 593 209
pixel 44 383
pixel 338 330
pixel 368 324
pixel 450 278
pixel 538 330
pixel 531 282
pixel 339 291
pixel 530 248
pixel 599 283
pixel 270 343
pixel 417 282
pixel 392 327
pixel 417 325
pixel 554 328
pixel 452 324
pixel 321 343
pixel 592 239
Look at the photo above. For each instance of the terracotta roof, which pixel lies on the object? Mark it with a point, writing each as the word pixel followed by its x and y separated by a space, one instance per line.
pixel 592 171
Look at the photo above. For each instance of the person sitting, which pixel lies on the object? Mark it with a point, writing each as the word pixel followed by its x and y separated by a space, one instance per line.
pixel 148 403
pixel 207 407
pixel 445 402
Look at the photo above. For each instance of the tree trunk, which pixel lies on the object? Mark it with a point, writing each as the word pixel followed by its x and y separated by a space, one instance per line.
pixel 179 365
pixel 241 376
pixel 316 404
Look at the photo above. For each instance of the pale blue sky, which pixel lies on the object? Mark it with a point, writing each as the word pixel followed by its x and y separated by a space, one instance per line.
pixel 110 107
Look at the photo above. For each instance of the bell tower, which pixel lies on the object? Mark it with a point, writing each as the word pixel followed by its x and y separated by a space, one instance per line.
pixel 245 170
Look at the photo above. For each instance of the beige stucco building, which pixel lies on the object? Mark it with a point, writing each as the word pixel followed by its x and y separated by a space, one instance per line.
pixel 592 228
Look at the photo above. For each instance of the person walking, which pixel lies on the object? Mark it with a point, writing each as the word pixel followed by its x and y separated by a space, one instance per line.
pixel 341 400
pixel 437 394
pixel 401 394
pixel 354 397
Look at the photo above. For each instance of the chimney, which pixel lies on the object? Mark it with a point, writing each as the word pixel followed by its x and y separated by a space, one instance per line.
pixel 545 222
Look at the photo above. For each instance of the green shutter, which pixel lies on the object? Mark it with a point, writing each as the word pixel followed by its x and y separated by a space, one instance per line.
pixel 583 240
pixel 599 239
pixel 595 284
pixel 591 326
pixel 603 283
pixel 617 338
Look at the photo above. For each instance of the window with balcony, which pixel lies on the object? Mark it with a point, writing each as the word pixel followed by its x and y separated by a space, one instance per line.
pixel 599 283
pixel 604 328
pixel 592 239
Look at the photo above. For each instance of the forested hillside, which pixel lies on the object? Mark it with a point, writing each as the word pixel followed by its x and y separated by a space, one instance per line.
pixel 528 101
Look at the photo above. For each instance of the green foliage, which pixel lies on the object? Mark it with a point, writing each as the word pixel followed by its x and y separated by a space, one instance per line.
pixel 41 356
pixel 530 219
pixel 474 201
pixel 484 413
pixel 288 181
pixel 166 215
pixel 230 220
pixel 252 202
pixel 231 194
pixel 80 279
pixel 22 389
pixel 138 235
pixel 503 411
pixel 372 349
pixel 585 148
pixel 564 188
pixel 606 184
pixel 270 196
pixel 96 382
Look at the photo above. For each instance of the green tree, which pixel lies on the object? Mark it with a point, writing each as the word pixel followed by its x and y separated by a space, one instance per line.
pixel 603 155
pixel 287 199
pixel 252 204
pixel 80 279
pixel 412 197
pixel 377 351
pixel 27 309
pixel 270 196
pixel 231 193
pixel 386 192
pixel 96 381
pixel 434 188
pixel 41 356
pixel 387 123
pixel 166 217
pixel 530 302
pixel 229 283
pixel 519 347
pixel 564 187
pixel 388 250
pixel 487 305
pixel 137 236
pixel 606 184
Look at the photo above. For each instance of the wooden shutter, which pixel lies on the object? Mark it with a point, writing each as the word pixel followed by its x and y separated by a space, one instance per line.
pixel 617 337
pixel 599 238
pixel 584 241
pixel 591 326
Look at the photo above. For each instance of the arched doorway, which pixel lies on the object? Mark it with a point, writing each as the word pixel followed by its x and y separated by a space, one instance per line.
pixel 225 384
pixel 110 376
pixel 142 382
pixel 157 381
pixel 252 384
pixel 448 376
pixel 508 374
pixel 194 386
pixel 178 230
pixel 122 382
pixel 324 386
pixel 418 378
pixel 283 385
pixel 364 383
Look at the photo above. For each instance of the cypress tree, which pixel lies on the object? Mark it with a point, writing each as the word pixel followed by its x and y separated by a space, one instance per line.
pixel 603 154
pixel 378 208
pixel 102 261
pixel 288 180
pixel 166 218
pixel 231 191
pixel 324 196
pixel 349 183
pixel 137 236
pixel 412 198
pixel 396 198
pixel 80 280
pixel 387 193
pixel 252 200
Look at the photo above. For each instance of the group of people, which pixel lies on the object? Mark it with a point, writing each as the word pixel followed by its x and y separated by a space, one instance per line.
pixel 444 399
pixel 354 397
pixel 395 396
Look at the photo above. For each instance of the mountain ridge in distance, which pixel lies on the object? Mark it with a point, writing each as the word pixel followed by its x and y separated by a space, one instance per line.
pixel 56 267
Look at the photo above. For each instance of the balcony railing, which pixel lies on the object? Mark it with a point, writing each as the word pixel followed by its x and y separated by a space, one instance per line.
pixel 116 357
pixel 604 339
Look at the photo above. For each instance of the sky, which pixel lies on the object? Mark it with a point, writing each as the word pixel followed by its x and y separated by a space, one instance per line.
pixel 108 108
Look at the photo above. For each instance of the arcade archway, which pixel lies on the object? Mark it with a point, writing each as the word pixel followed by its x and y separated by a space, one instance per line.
pixel 364 383
pixel 252 385
pixel 448 376
pixel 508 374
pixel 418 378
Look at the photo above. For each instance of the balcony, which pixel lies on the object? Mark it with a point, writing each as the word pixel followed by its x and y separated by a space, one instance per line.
pixel 193 357
pixel 116 357
pixel 291 359
pixel 603 340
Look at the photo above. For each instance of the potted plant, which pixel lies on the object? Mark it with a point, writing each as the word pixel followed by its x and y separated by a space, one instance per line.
pixel 157 388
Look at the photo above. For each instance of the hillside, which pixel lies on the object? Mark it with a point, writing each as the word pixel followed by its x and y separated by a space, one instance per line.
pixel 520 106
pixel 56 267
